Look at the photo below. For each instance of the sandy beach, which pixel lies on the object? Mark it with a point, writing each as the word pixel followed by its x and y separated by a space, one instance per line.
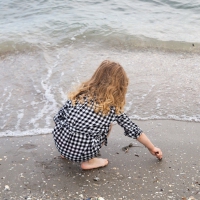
pixel 31 167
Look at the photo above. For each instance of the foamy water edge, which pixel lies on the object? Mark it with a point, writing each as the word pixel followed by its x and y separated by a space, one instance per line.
pixel 43 131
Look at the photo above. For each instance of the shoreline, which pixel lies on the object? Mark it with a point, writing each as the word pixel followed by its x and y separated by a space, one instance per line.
pixel 32 168
pixel 47 131
pixel 150 93
pixel 165 47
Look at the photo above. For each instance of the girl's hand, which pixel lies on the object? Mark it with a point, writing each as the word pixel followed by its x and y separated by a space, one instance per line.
pixel 147 143
pixel 156 152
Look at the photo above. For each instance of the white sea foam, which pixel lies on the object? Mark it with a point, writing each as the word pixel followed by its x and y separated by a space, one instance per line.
pixel 49 99
pixel 168 117
pixel 39 131
pixel 36 131
pixel 20 115
pixel 158 103
pixel 63 95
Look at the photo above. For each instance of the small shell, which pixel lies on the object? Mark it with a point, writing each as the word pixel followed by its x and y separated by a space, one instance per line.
pixel 7 188
pixel 96 178
pixel 191 198
pixel 95 198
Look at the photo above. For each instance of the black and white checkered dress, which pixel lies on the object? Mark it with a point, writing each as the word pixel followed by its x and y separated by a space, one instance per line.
pixel 79 132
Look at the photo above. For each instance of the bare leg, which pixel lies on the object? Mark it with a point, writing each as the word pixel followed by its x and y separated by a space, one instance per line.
pixel 94 163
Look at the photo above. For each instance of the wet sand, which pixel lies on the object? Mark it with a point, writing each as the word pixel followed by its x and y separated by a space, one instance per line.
pixel 31 168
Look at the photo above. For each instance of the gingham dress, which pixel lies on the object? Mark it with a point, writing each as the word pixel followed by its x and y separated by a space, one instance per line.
pixel 80 132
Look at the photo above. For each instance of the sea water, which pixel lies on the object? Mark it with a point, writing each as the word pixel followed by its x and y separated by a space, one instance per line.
pixel 48 47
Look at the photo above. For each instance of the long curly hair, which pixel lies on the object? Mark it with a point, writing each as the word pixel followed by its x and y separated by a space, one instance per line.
pixel 106 88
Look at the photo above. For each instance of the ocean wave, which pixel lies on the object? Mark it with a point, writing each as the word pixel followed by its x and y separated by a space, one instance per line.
pixel 119 25
pixel 114 40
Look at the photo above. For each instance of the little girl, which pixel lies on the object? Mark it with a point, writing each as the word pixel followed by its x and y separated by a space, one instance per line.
pixel 84 122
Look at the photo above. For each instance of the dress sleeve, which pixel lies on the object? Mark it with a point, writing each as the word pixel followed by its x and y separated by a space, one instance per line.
pixel 61 116
pixel 130 128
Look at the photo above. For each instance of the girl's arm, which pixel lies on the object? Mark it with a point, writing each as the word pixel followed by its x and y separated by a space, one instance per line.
pixel 147 143
pixel 133 131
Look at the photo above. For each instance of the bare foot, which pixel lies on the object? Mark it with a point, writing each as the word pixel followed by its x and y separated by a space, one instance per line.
pixel 62 157
pixel 94 163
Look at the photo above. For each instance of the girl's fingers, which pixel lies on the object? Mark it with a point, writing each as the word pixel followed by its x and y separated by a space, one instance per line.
pixel 159 154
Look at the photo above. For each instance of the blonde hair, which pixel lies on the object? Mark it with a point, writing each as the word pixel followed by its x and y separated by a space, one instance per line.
pixel 106 88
